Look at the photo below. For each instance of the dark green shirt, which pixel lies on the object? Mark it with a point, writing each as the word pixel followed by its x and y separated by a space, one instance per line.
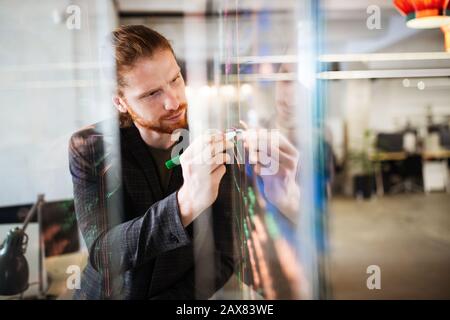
pixel 160 156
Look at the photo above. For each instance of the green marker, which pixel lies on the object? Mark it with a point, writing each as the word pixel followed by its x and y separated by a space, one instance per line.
pixel 172 163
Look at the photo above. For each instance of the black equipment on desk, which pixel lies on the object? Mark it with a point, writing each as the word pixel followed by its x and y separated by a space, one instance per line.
pixel 390 142
pixel 14 270
pixel 58 231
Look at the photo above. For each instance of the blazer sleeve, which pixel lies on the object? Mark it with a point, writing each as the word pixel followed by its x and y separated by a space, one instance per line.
pixel 198 285
pixel 115 246
pixel 191 287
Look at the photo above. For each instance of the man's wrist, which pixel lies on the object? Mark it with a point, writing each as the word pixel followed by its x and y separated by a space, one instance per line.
pixel 184 204
pixel 291 205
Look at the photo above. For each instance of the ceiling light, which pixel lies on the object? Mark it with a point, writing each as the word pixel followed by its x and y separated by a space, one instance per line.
pixel 424 14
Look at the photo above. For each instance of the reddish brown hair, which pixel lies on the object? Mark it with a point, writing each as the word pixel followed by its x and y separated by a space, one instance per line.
pixel 131 43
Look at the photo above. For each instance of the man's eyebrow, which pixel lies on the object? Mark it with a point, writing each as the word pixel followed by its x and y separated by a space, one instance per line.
pixel 177 73
pixel 148 92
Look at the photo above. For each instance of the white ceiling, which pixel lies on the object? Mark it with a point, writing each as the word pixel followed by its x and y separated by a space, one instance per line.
pixel 349 5
pixel 335 7
pixel 148 6
pixel 345 30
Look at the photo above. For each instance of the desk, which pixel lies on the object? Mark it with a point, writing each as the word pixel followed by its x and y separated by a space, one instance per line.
pixel 388 156
pixel 434 168
pixel 380 157
pixel 436 155
pixel 56 267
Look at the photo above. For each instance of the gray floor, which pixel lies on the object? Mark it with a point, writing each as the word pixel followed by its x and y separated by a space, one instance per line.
pixel 407 236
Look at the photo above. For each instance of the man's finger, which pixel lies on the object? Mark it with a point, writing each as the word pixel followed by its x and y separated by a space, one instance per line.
pixel 218 160
pixel 270 141
pixel 219 172
pixel 206 166
pixel 211 150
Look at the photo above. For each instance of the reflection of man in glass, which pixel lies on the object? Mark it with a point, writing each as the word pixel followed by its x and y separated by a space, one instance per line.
pixel 275 268
pixel 281 188
pixel 288 95
pixel 285 100
pixel 136 215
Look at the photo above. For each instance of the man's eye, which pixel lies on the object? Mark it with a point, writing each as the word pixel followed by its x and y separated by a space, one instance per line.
pixel 152 94
pixel 175 80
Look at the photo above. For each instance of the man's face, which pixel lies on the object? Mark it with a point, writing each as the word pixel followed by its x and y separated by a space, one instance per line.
pixel 285 98
pixel 154 94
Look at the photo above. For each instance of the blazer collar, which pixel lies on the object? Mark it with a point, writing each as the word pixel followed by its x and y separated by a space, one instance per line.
pixel 139 149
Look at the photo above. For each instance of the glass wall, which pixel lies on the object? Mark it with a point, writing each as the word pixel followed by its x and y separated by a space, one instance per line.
pixel 56 68
pixel 252 66
pixel 250 72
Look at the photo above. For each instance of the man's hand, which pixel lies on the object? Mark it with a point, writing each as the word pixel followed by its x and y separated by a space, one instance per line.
pixel 203 165
pixel 276 161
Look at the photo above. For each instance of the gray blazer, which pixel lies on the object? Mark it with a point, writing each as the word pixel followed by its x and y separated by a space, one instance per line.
pixel 138 248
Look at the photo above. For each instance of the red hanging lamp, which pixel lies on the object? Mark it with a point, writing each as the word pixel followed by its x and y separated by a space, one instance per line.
pixel 424 14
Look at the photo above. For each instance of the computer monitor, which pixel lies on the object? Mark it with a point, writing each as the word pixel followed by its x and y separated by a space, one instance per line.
pixel 444 137
pixel 390 142
pixel 58 226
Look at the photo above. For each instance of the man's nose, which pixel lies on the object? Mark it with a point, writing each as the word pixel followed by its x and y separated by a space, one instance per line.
pixel 171 101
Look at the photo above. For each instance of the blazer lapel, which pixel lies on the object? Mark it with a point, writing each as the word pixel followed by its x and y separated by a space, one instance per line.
pixel 176 180
pixel 137 147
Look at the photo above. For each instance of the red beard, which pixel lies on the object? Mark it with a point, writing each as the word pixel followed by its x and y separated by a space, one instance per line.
pixel 163 125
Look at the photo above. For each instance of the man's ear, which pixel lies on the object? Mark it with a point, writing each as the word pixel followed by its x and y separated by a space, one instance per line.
pixel 119 104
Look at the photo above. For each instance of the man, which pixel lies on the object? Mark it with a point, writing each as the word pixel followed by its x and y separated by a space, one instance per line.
pixel 135 215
